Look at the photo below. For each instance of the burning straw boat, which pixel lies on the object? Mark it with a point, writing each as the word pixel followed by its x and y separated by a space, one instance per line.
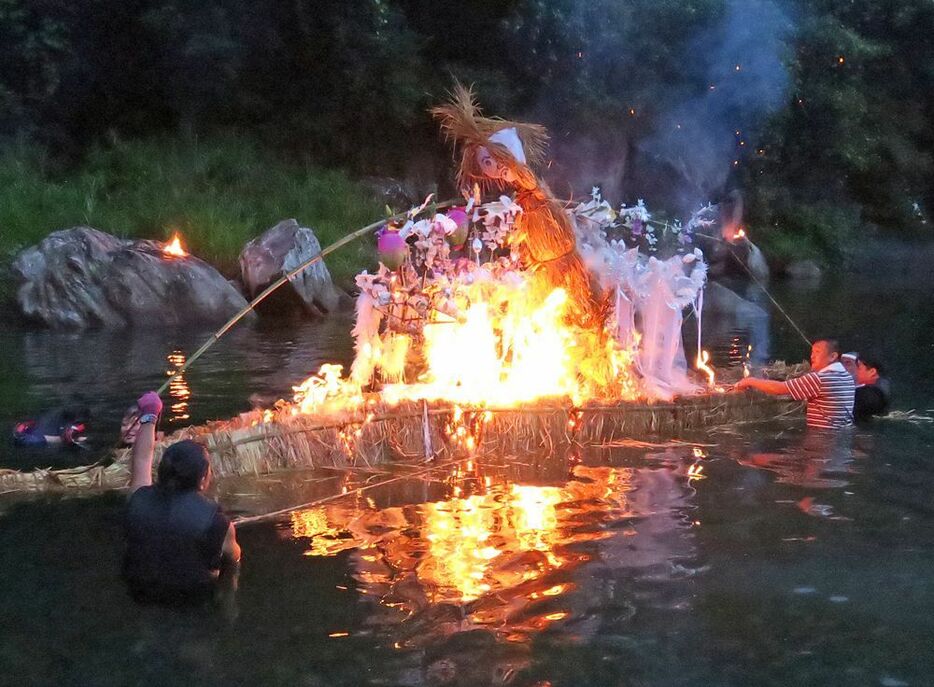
pixel 514 325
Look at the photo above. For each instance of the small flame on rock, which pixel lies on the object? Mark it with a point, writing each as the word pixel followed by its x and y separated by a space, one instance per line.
pixel 174 247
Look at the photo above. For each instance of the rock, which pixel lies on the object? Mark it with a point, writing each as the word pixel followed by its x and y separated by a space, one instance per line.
pixel 720 300
pixel 83 277
pixel 392 192
pixel 280 250
pixel 756 262
pixel 804 269
pixel 737 259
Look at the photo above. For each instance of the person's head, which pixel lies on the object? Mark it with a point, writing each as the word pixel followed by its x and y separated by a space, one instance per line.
pixel 848 360
pixel 185 467
pixel 868 370
pixel 823 353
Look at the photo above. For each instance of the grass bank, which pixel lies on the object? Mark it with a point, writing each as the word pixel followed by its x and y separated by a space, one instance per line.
pixel 218 193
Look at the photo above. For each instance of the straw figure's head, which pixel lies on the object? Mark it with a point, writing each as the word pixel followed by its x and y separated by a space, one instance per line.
pixel 494 153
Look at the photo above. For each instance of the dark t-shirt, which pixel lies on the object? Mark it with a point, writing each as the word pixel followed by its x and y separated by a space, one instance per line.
pixel 871 399
pixel 174 545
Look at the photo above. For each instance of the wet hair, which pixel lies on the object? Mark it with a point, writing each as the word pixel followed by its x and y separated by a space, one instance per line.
pixel 872 362
pixel 184 464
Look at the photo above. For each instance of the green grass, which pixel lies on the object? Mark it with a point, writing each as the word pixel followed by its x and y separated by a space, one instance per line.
pixel 218 194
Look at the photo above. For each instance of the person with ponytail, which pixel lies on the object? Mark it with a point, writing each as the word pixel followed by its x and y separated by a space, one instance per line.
pixel 178 540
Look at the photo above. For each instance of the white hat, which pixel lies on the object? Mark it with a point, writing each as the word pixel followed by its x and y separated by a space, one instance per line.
pixel 509 138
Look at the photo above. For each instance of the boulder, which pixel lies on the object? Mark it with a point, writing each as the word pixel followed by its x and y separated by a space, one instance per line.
pixel 756 262
pixel 277 252
pixel 720 300
pixel 806 270
pixel 83 277
pixel 738 258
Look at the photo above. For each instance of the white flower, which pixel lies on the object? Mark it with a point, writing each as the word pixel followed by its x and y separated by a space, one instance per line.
pixel 448 225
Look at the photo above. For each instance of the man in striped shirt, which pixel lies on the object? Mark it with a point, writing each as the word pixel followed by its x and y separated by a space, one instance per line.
pixel 828 389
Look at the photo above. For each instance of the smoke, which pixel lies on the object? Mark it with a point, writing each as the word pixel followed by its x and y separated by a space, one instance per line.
pixel 697 109
pixel 706 138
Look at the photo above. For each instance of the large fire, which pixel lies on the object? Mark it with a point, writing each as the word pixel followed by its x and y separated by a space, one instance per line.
pixel 484 333
pixel 504 350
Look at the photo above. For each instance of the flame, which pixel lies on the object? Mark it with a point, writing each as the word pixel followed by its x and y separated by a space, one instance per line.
pixel 739 234
pixel 174 247
pixel 695 472
pixel 702 364
pixel 746 360
pixel 502 347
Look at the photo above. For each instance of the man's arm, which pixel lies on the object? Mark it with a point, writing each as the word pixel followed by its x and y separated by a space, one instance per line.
pixel 767 386
pixel 141 461
pixel 150 406
pixel 230 551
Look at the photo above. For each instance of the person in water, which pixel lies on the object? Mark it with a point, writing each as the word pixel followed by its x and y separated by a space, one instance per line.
pixel 66 426
pixel 873 390
pixel 828 389
pixel 178 542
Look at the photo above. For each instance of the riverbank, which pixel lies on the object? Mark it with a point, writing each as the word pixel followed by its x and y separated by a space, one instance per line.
pixel 218 194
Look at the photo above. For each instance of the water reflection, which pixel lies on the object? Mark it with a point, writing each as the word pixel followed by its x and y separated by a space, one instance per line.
pixel 503 555
pixel 178 388
pixel 819 459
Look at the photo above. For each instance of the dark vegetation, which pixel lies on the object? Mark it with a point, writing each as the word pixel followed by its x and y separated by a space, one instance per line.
pixel 219 117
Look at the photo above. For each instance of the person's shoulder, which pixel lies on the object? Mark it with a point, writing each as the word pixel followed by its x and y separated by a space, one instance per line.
pixel 141 494
pixel 208 505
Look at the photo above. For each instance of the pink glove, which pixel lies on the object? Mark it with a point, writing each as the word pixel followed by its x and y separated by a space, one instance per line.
pixel 149 403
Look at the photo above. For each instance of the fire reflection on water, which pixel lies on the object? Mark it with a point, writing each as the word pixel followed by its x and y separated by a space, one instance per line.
pixel 179 391
pixel 503 553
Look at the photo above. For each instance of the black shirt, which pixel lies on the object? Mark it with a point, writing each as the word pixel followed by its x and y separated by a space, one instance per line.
pixel 871 399
pixel 174 545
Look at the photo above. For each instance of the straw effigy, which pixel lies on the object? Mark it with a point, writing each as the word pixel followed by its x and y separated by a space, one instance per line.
pixel 543 234
pixel 415 431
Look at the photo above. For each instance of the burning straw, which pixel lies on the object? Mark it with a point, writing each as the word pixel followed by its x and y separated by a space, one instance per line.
pixel 255 443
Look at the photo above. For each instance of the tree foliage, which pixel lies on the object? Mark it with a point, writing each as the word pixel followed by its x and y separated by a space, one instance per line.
pixel 820 110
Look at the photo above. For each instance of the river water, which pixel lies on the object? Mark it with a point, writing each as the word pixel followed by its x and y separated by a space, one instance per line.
pixel 788 562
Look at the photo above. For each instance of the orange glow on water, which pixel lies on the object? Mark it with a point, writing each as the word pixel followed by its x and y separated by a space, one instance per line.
pixel 179 391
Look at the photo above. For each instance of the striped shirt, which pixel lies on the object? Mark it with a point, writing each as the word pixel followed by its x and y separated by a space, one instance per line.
pixel 829 394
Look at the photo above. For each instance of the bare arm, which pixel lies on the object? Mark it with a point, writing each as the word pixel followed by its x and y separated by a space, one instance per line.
pixel 231 548
pixel 767 386
pixel 141 460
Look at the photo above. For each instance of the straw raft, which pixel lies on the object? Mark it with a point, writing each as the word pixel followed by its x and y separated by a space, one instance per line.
pixel 415 431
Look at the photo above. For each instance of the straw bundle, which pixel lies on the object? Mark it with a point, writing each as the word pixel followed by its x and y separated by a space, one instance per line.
pixel 544 236
pixel 415 431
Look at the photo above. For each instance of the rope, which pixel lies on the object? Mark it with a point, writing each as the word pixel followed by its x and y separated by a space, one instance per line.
pixel 353 492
